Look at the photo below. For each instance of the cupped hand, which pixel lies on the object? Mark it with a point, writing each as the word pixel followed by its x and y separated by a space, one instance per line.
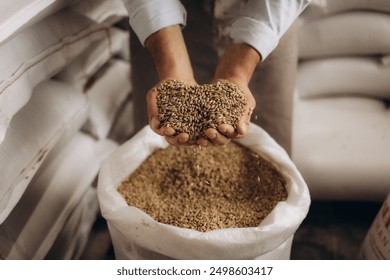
pixel 225 132
pixel 168 132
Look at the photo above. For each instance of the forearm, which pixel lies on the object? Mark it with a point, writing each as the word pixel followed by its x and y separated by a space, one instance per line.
pixel 238 63
pixel 263 22
pixel 169 53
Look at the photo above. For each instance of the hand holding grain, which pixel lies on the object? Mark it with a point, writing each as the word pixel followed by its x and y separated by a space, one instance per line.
pixel 195 112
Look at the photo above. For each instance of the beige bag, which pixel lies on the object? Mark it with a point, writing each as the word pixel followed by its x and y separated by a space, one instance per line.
pixel 55 109
pixel 341 147
pixel 376 245
pixel 51 197
pixel 38 53
pixel 354 33
pixel 135 235
pixel 364 75
pixel 323 8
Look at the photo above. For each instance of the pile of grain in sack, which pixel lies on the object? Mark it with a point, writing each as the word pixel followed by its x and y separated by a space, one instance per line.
pixel 205 188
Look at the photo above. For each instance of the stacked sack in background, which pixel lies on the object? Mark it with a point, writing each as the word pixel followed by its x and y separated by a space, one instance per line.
pixel 341 133
pixel 64 92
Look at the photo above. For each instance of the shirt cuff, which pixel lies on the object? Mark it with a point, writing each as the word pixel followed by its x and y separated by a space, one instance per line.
pixel 254 33
pixel 147 17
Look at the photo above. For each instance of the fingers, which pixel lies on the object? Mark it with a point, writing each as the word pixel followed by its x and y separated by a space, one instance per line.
pixel 216 138
pixel 182 139
pixel 220 136
pixel 151 99
pixel 227 130
pixel 152 110
pixel 244 121
pixel 243 124
pixel 212 137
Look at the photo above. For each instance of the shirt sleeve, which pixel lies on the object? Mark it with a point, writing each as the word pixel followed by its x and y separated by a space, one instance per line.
pixel 264 22
pixel 149 16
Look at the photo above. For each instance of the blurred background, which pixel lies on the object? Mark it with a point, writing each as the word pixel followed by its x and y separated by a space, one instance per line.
pixel 73 80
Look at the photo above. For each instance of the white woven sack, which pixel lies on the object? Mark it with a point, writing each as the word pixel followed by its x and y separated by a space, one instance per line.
pixel 322 8
pixel 77 73
pixel 106 96
pixel 364 76
pixel 353 33
pixel 36 54
pixel 51 197
pixel 19 14
pixel 54 108
pixel 124 124
pixel 341 145
pixel 73 237
pixel 106 12
pixel 135 235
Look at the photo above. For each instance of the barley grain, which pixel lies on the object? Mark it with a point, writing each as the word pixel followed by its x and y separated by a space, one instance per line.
pixel 194 109
pixel 219 188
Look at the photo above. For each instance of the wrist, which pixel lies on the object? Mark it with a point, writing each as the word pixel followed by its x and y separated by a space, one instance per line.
pixel 169 53
pixel 238 63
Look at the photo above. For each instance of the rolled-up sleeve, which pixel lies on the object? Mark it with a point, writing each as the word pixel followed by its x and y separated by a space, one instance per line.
pixel 264 22
pixel 148 16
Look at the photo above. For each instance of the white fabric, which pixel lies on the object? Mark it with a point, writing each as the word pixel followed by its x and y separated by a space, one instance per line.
pixel 261 25
pixel 18 14
pixel 147 17
pixel 102 11
pixel 73 237
pixel 51 197
pixel 264 22
pixel 115 43
pixel 37 54
pixel 365 76
pixel 322 8
pixel 124 125
pixel 346 34
pixel 136 235
pixel 106 95
pixel 33 132
pixel 342 147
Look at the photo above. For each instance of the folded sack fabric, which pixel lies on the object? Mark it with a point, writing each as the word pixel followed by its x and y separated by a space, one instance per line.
pixel 19 14
pixel 107 12
pixel 341 145
pixel 352 33
pixel 322 8
pixel 33 132
pixel 106 95
pixel 73 238
pixel 136 235
pixel 115 43
pixel 364 76
pixel 51 197
pixel 39 52
pixel 124 124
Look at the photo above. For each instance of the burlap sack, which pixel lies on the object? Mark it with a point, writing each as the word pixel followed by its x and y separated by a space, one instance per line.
pixel 135 235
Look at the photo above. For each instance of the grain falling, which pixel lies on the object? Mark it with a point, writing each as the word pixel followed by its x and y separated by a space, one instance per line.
pixel 222 187
pixel 193 109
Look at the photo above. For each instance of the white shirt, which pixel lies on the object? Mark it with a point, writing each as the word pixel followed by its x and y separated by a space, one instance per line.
pixel 261 25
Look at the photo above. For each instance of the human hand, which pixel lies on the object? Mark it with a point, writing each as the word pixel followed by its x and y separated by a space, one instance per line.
pixel 186 111
pixel 225 132
pixel 168 132
pixel 236 65
pixel 169 52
